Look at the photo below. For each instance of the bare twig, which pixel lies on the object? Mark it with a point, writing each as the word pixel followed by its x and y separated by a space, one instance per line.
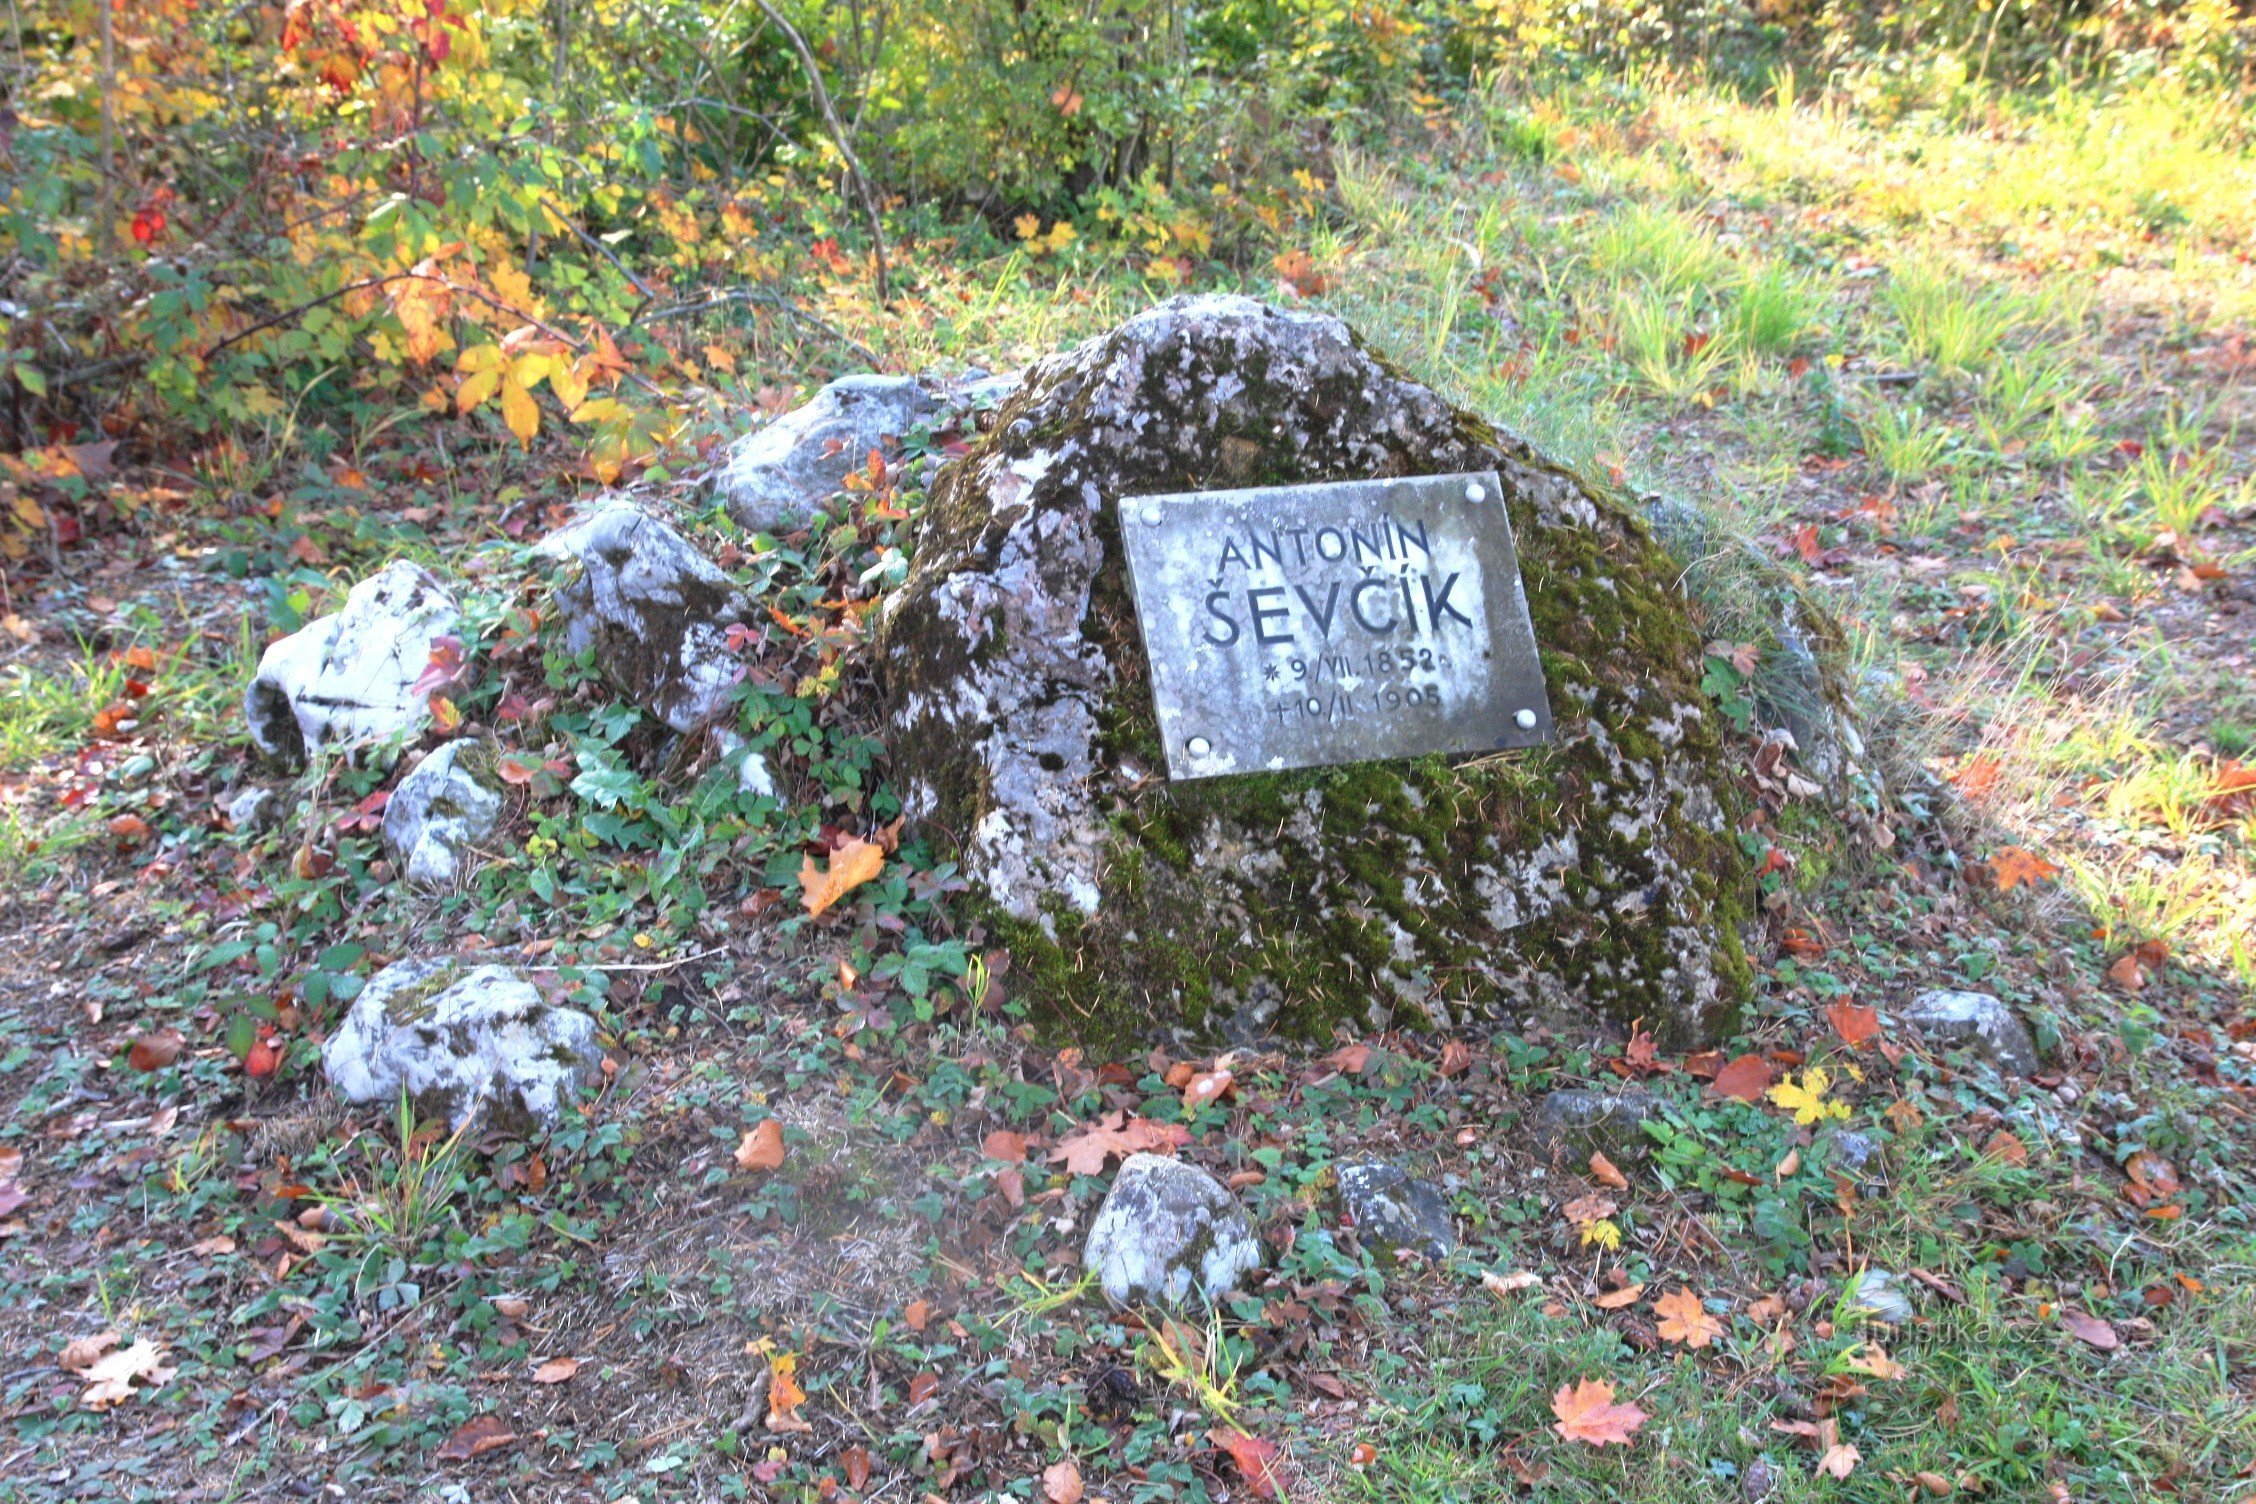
pixel 838 137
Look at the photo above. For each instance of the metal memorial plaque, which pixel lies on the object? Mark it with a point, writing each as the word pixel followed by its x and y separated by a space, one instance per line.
pixel 1294 626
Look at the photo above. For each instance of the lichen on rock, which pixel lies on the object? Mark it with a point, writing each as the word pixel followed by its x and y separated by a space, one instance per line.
pixel 1599 875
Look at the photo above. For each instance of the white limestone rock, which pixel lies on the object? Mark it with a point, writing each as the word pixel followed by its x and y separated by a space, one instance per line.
pixel 465 1043
pixel 1168 1231
pixel 440 812
pixel 350 677
pixel 655 610
pixel 1973 1021
pixel 783 475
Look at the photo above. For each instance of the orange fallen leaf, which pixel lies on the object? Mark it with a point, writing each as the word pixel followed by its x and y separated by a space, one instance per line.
pixel 1587 1413
pixel 476 1437
pixel 1602 1170
pixel 1615 1300
pixel 153 1052
pixel 851 864
pixel 1857 1026
pixel 1746 1078
pixel 761 1148
pixel 2007 1148
pixel 1256 1459
pixel 1006 1146
pixel 784 1394
pixel 1685 1320
pixel 1117 1134
pixel 1456 1059
pixel 2128 973
pixel 556 1371
pixel 1205 1087
pixel 2013 865
pixel 1061 1482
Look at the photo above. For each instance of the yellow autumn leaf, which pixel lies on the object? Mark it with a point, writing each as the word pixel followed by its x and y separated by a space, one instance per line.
pixel 1603 1232
pixel 1807 1101
pixel 518 410
pixel 531 370
pixel 569 382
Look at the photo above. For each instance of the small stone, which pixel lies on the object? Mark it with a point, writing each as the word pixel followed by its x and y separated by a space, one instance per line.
pixel 1168 1231
pixel 1974 1021
pixel 1387 1205
pixel 1881 1296
pixel 466 1044
pixel 254 810
pixel 350 677
pixel 1576 1122
pixel 654 610
pixel 440 812
pixel 1853 1152
pixel 785 474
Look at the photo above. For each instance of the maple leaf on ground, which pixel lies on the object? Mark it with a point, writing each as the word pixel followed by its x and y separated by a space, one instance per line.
pixel 1587 1413
pixel 1116 1134
pixel 2014 865
pixel 1685 1320
pixel 1856 1025
pixel 1806 1101
pixel 1256 1459
pixel 784 1394
pixel 851 865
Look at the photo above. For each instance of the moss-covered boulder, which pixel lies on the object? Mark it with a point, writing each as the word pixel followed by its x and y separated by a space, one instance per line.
pixel 1600 876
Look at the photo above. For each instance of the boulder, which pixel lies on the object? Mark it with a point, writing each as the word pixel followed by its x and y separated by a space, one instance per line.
pixel 1573 1123
pixel 1600 874
pixel 1168 1231
pixel 469 1044
pixel 350 677
pixel 785 474
pixel 1973 1021
pixel 653 608
pixel 1388 1207
pixel 440 812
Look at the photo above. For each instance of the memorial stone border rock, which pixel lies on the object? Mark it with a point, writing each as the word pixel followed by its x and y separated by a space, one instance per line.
pixel 1599 875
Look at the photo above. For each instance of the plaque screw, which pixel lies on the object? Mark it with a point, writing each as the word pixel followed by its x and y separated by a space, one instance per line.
pixel 1200 746
pixel 1524 719
pixel 1476 492
pixel 1151 516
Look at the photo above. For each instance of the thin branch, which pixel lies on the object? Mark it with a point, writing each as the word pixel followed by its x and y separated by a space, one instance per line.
pixel 838 137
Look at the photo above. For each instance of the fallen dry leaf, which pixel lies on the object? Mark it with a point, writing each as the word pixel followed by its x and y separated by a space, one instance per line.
pixel 1685 1320
pixel 1501 1285
pixel 1856 1026
pixel 1349 1059
pixel 2015 865
pixel 785 1396
pixel 1602 1170
pixel 761 1148
pixel 476 1437
pixel 1840 1460
pixel 556 1371
pixel 851 864
pixel 1587 1413
pixel 1117 1134
pixel 1615 1300
pixel 1006 1146
pixel 153 1052
pixel 1256 1459
pixel 2089 1328
pixel 109 1380
pixel 1456 1058
pixel 82 1353
pixel 1061 1482
pixel 1205 1087
pixel 1745 1078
